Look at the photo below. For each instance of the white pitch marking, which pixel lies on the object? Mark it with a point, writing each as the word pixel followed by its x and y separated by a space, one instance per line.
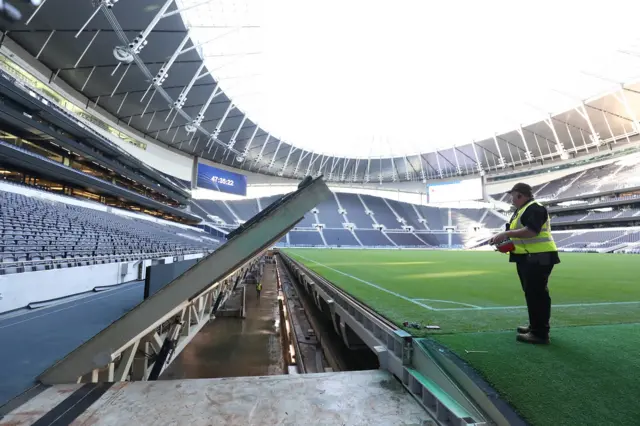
pixel 567 305
pixel 431 308
pixel 452 302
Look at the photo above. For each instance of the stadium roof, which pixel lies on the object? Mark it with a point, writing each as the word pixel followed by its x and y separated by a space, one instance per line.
pixel 359 91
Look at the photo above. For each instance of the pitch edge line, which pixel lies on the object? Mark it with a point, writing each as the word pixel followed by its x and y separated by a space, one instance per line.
pixel 450 301
pixel 431 308
pixel 567 305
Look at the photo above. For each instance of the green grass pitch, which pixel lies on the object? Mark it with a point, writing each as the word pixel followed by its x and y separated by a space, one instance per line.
pixel 476 299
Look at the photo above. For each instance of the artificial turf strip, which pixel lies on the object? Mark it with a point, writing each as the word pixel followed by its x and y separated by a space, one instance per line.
pixel 483 279
pixel 586 376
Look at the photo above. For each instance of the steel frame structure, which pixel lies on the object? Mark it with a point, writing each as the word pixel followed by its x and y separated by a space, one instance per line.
pixel 185 302
pixel 593 125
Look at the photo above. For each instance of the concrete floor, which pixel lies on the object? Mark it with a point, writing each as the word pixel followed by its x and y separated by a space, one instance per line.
pixel 345 398
pixel 232 347
pixel 33 340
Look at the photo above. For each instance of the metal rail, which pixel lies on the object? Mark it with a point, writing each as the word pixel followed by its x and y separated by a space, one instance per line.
pixel 113 258
pixel 319 278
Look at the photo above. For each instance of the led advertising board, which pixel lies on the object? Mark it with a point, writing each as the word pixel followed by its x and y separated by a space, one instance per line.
pixel 221 180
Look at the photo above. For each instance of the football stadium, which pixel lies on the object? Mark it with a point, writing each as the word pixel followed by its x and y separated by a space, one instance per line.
pixel 234 212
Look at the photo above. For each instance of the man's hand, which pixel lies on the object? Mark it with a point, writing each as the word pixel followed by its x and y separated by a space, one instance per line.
pixel 498 238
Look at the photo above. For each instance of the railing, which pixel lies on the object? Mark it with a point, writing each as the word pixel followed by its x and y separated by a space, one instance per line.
pixel 112 258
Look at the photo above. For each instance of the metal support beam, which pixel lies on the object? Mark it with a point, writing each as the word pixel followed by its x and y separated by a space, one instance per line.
pixel 345 164
pixel 264 144
pixel 286 162
pixel 122 103
pixel 218 129
pixel 527 153
pixel 182 97
pixel 88 77
pixel 438 163
pixel 595 136
pixel 126 361
pixel 120 81
pixel 455 156
pixel 475 153
pixel 273 159
pixel 394 170
pixel 301 157
pixel 93 15
pixel 35 11
pixel 45 44
pixel 86 49
pixel 367 176
pixel 164 70
pixel 623 99
pixel 245 152
pixel 354 175
pixel 232 141
pixel 501 162
pixel 207 275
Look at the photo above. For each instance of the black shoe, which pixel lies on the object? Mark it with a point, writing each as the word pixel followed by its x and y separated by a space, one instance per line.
pixel 532 338
pixel 524 329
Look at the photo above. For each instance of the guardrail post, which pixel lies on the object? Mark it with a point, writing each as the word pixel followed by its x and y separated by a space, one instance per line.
pixel 407 346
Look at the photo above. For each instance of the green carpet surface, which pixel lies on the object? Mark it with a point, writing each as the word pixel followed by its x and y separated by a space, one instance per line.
pixel 587 376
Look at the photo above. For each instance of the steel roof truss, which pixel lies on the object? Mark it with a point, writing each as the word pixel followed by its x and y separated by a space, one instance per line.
pixel 273 159
pixel 422 175
pixel 455 156
pixel 45 44
pixel 84 52
pixel 345 164
pixel 475 153
pixel 259 157
pixel 245 152
pixel 595 136
pixel 301 157
pixel 622 98
pixel 367 176
pixel 35 11
pixel 292 149
pixel 501 162
pixel 407 173
pixel 232 141
pixel 216 132
pixel 310 164
pixel 354 175
pixel 182 97
pixel 438 163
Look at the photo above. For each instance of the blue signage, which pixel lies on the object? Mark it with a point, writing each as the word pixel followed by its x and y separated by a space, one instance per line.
pixel 221 180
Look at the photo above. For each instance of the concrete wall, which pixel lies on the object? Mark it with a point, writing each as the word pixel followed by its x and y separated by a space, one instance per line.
pixel 18 290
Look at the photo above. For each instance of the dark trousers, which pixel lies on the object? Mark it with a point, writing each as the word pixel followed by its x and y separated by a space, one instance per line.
pixel 534 279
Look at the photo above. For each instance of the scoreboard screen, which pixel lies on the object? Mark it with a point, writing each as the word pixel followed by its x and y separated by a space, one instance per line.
pixel 452 191
pixel 210 177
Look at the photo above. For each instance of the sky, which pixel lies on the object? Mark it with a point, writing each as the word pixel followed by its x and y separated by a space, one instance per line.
pixel 377 78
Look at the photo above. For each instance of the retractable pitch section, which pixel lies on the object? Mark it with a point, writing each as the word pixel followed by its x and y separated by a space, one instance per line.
pixel 177 298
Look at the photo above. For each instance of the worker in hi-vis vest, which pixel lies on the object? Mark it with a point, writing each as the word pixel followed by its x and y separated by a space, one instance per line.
pixel 532 249
pixel 258 288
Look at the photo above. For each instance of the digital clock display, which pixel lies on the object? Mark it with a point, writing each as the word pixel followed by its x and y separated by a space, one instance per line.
pixel 216 179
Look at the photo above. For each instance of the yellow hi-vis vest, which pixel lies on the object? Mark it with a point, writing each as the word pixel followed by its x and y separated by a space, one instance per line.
pixel 543 242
